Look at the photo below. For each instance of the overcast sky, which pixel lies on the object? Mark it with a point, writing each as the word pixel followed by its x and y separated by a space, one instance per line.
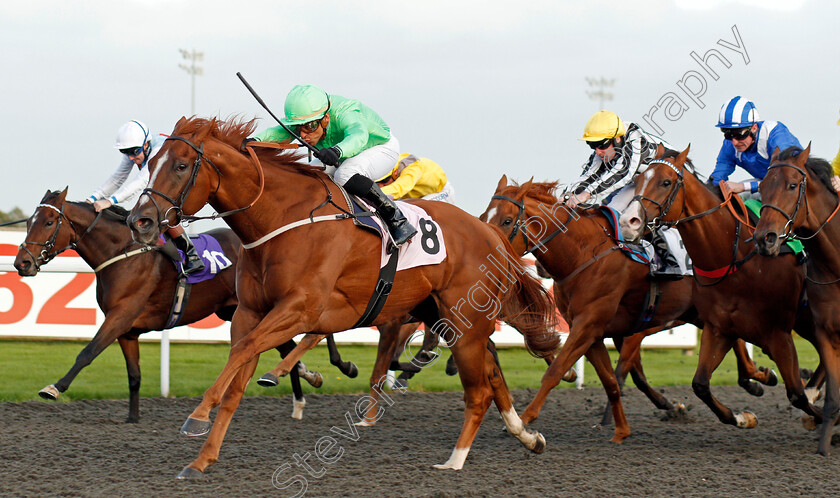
pixel 484 88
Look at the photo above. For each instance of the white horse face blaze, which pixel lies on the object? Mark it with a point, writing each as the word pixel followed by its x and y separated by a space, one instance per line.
pixel 491 215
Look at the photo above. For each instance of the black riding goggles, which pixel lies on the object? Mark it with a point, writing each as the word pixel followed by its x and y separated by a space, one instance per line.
pixel 309 127
pixel 132 151
pixel 736 133
pixel 601 144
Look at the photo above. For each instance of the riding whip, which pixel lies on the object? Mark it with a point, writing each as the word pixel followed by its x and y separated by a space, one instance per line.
pixel 293 134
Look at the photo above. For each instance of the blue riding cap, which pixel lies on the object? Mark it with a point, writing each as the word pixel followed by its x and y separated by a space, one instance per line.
pixel 737 113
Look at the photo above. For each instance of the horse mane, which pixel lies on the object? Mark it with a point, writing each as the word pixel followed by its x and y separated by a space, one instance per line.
pixel 233 131
pixel 117 213
pixel 541 191
pixel 818 166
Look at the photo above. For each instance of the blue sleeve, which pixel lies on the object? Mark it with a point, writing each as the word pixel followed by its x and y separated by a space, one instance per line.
pixel 782 138
pixel 725 163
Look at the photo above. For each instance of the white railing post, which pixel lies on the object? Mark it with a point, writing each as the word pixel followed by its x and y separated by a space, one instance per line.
pixel 164 363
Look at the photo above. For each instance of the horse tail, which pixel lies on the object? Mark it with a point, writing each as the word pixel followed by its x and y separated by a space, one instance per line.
pixel 529 308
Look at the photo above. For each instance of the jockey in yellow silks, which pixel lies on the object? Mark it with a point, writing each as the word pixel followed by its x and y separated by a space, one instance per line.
pixel 417 178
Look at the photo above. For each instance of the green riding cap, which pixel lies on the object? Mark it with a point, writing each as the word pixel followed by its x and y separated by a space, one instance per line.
pixel 305 103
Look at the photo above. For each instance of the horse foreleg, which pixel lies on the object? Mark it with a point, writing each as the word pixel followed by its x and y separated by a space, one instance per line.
pixel 532 440
pixel 830 361
pixel 116 323
pixel 388 343
pixel 209 452
pixel 131 352
pixel 298 401
pixel 747 371
pixel 600 359
pixel 576 345
pixel 815 383
pixel 713 348
pixel 276 328
pixel 472 359
pixel 782 350
pixel 291 360
pixel 348 368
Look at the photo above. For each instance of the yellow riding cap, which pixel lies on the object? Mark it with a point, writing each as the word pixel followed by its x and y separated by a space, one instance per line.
pixel 603 125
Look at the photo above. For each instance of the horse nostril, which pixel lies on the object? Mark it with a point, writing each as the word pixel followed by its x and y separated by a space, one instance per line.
pixel 635 222
pixel 144 224
pixel 770 238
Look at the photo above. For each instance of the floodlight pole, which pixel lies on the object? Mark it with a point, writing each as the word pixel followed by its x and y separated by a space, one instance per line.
pixel 193 70
pixel 598 91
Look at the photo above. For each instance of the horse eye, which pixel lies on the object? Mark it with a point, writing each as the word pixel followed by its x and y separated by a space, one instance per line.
pixel 507 222
pixel 791 186
pixel 49 223
pixel 666 183
pixel 180 167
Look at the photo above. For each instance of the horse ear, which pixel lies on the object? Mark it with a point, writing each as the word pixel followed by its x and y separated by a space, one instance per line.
pixel 523 189
pixel 179 123
pixel 46 196
pixel 502 184
pixel 802 158
pixel 683 156
pixel 63 194
pixel 660 151
pixel 775 156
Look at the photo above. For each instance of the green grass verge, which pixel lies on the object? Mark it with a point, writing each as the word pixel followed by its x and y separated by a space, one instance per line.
pixel 27 366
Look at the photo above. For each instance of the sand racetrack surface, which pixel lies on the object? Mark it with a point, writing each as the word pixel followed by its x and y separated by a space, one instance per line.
pixel 84 448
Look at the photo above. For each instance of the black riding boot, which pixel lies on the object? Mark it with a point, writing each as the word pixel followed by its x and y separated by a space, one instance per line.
pixel 668 268
pixel 399 227
pixel 192 263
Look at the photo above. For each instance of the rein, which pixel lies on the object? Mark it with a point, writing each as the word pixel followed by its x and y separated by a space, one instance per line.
pixel 177 204
pixel 720 273
pixel 46 255
pixel 519 222
pixel 803 185
pixel 789 234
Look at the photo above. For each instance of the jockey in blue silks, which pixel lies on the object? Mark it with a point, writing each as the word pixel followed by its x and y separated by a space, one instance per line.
pixel 748 143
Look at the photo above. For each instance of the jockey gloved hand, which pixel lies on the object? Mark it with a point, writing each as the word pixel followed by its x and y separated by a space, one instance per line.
pixel 329 156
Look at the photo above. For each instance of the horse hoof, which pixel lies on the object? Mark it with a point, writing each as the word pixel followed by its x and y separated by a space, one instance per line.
pixel 451 367
pixel 50 392
pixel 570 376
pixel 352 371
pixel 365 423
pixel 268 380
pixel 195 427
pixel 539 445
pixel 746 420
pixel 772 378
pixel 400 383
pixel 132 420
pixel 190 473
pixel 754 388
pixel 317 381
pixel 808 423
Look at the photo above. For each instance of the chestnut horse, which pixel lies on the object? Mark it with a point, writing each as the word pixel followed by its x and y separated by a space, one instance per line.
pixel 307 267
pixel 135 293
pixel 599 292
pixel 799 202
pixel 737 295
